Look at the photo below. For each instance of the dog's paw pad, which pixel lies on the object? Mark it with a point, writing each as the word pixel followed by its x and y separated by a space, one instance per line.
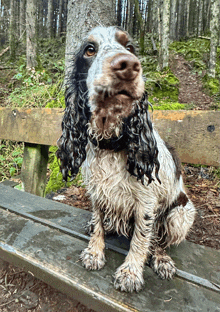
pixel 92 260
pixel 128 278
pixel 164 266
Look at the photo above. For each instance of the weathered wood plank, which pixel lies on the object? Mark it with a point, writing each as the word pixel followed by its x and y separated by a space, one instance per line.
pixel 34 168
pixel 195 134
pixel 53 257
pixel 38 126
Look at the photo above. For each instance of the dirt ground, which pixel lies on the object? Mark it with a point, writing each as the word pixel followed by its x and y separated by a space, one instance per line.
pixel 21 292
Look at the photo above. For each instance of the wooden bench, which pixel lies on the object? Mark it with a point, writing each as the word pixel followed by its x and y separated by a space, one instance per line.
pixel 46 237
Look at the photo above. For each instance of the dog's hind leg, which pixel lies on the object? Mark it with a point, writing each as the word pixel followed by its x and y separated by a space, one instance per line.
pixel 171 228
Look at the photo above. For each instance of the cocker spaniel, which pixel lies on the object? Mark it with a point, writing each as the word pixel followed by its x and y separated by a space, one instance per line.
pixel 133 177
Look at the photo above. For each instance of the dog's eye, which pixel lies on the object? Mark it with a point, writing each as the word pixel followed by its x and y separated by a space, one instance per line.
pixel 89 51
pixel 130 48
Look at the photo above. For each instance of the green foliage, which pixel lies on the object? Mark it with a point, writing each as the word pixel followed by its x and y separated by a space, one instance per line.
pixel 163 105
pixel 11 158
pixel 56 179
pixel 162 85
pixel 36 90
pixel 212 84
pixel 41 86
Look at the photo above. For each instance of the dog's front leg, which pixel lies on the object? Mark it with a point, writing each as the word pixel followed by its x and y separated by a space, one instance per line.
pixel 129 276
pixel 93 257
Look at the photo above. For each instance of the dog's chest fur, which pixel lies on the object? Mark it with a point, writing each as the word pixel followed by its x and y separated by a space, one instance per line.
pixel 112 189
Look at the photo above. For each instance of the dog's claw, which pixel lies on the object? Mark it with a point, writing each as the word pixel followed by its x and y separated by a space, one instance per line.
pixel 164 267
pixel 91 260
pixel 128 278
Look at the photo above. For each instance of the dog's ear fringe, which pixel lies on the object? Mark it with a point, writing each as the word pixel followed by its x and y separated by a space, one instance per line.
pixel 142 147
pixel 72 143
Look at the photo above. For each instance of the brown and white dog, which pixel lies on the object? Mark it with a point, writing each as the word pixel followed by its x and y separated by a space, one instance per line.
pixel 133 177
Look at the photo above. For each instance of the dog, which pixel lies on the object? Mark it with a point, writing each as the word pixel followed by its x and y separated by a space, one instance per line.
pixel 133 177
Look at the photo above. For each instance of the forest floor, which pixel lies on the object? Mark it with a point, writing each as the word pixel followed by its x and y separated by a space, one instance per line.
pixel 21 292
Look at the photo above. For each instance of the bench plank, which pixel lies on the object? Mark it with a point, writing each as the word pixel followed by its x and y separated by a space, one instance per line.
pixel 53 255
pixel 195 134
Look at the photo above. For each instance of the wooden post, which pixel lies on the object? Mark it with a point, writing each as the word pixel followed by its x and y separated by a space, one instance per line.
pixel 34 168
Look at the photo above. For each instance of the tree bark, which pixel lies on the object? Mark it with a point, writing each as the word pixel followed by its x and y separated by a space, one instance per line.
pixel 31 23
pixel 214 28
pixel 173 20
pixel 22 16
pixel 82 17
pixel 200 25
pixel 60 18
pixel 179 19
pixel 165 33
pixel 155 16
pixel 64 16
pixel 50 19
pixel 119 11
pixel 40 17
pixel 187 17
pixel 12 31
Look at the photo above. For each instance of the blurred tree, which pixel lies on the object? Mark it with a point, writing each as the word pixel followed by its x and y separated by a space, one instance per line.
pixel 31 34
pixel 214 29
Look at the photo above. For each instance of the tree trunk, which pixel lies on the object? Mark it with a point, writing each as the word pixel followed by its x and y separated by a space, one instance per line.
pixel 148 13
pixel 165 33
pixel 64 16
pixel 12 31
pixel 155 16
pixel 22 16
pixel 31 23
pixel 60 18
pixel 200 25
pixel 207 15
pixel 179 20
pixel 82 17
pixel 119 11
pixel 187 17
pixel 50 19
pixel 214 28
pixel 40 18
pixel 173 20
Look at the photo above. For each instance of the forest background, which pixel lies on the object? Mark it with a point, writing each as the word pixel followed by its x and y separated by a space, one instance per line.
pixel 39 37
pixel 180 54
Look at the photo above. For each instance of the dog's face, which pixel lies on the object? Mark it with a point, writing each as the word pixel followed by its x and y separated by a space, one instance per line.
pixel 114 80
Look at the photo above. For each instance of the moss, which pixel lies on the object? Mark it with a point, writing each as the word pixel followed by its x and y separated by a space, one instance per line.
pixel 163 105
pixel 56 179
pixel 163 85
pixel 212 84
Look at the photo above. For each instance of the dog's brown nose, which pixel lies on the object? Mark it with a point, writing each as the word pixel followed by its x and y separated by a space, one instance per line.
pixel 126 66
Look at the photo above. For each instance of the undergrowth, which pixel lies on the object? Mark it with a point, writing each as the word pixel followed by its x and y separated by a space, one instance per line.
pixel 11 157
pixel 41 86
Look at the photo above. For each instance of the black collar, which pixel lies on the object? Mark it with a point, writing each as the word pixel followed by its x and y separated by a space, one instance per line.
pixel 115 144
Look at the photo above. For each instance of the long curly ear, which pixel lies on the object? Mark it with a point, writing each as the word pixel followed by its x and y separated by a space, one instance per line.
pixel 73 141
pixel 142 146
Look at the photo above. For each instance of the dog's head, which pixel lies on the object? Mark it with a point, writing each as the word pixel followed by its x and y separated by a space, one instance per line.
pixel 106 103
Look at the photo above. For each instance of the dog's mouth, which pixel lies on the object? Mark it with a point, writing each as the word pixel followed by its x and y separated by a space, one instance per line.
pixel 122 95
pixel 112 106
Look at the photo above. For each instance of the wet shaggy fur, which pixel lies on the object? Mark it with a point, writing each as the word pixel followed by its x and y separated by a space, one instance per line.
pixel 133 178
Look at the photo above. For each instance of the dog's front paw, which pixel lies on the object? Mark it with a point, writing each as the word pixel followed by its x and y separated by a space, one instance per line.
pixel 92 260
pixel 129 278
pixel 164 266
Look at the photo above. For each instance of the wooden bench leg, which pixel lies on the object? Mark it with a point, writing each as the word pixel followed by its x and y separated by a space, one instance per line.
pixel 34 168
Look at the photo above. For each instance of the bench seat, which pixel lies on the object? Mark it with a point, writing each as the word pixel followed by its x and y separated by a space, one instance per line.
pixel 46 238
